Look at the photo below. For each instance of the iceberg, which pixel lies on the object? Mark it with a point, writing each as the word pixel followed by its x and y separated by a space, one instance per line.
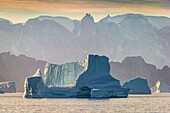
pixel 160 87
pixel 1 92
pixel 32 86
pixel 138 86
pixel 96 75
pixel 8 87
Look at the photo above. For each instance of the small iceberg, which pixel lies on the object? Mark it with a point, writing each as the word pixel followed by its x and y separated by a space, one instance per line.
pixel 138 86
pixel 8 87
pixel 160 87
pixel 1 92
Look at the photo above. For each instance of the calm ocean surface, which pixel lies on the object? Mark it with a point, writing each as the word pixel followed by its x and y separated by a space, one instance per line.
pixel 157 103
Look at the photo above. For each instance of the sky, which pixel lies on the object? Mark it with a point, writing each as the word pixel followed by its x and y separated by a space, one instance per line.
pixel 21 10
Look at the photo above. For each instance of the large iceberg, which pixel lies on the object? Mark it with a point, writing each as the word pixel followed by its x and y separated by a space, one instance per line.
pixel 96 76
pixel 8 87
pixel 138 86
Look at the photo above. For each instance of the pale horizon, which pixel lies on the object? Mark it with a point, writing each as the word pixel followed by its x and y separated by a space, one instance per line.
pixel 19 11
pixel 78 18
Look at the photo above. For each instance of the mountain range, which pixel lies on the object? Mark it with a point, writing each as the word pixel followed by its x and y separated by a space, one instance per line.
pixel 60 39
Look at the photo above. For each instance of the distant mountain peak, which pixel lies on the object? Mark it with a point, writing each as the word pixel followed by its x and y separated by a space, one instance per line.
pixel 108 16
pixel 165 68
pixel 134 59
pixel 87 25
pixel 88 17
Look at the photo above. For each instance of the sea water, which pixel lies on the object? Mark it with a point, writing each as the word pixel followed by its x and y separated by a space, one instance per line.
pixel 159 103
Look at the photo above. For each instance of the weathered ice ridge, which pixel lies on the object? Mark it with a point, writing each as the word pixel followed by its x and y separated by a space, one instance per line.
pixel 8 87
pixel 138 86
pixel 96 76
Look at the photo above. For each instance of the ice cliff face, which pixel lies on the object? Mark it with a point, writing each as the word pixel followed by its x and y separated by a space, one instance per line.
pixel 62 75
pixel 138 86
pixel 8 87
pixel 97 75
pixel 33 86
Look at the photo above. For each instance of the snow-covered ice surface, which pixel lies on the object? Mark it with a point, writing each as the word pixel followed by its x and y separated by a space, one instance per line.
pixel 159 103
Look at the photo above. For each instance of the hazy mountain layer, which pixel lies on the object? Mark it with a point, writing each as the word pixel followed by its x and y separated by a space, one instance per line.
pixel 60 39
